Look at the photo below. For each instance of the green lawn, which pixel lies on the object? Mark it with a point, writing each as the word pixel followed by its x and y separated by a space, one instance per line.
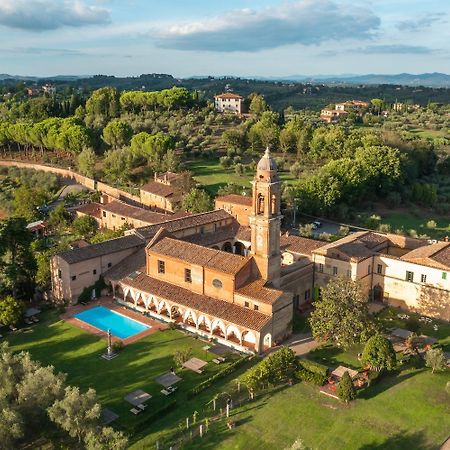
pixel 406 220
pixel 213 176
pixel 77 353
pixel 405 411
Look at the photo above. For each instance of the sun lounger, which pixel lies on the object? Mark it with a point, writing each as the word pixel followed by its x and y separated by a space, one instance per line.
pixel 35 319
pixel 142 406
pixel 221 359
pixel 216 361
pixel 12 328
pixel 28 321
pixel 163 391
pixel 135 411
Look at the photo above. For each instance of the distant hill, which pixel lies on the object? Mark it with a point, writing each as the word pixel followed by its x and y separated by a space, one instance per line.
pixel 434 79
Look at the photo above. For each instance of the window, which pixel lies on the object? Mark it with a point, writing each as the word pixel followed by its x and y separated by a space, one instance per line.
pixel 335 271
pixel 114 215
pixel 349 273
pixel 74 277
pixel 444 275
pixel 104 213
pixel 202 230
pixel 409 276
pixel 59 273
pixel 256 307
pixel 187 275
pixel 423 278
pixel 109 264
pixel 217 283
pixel 369 269
pixel 161 266
pixel 246 304
pixel 379 269
pixel 320 269
pixel 307 294
pixel 94 272
pixel 122 218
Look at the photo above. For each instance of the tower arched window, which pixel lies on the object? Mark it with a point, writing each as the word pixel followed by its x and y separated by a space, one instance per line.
pixel 273 204
pixel 260 204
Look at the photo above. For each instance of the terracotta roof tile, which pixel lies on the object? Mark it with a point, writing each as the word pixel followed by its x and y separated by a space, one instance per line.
pixel 134 212
pixel 433 255
pixel 160 189
pixel 202 256
pixel 91 209
pixel 258 290
pixel 235 199
pixel 183 223
pixel 101 249
pixel 134 262
pixel 228 95
pixel 230 312
pixel 300 245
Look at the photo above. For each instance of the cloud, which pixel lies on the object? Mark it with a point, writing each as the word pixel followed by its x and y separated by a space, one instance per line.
pixel 393 49
pixel 41 15
pixel 306 22
pixel 421 23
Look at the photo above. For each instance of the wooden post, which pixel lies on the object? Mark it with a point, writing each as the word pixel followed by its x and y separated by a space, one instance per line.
pixel 201 430
pixel 228 410
pixel 214 404
pixel 187 423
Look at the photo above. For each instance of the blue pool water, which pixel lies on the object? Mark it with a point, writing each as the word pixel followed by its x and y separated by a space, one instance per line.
pixel 105 319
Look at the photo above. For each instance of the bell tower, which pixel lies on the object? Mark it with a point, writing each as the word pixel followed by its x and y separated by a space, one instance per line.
pixel 265 219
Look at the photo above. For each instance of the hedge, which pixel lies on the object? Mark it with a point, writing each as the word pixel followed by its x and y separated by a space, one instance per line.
pixel 310 377
pixel 221 374
pixel 150 417
pixel 314 367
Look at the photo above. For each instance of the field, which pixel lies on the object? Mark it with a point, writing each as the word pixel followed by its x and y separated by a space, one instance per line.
pixel 407 220
pixel 213 176
pixel 407 409
pixel 77 353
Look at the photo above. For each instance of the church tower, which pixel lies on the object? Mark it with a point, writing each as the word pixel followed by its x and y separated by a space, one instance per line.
pixel 265 219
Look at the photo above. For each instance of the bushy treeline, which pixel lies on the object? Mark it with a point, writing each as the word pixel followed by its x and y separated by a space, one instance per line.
pixel 67 135
pixel 36 400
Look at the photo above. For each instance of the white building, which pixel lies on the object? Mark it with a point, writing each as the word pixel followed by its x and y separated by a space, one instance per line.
pixel 229 102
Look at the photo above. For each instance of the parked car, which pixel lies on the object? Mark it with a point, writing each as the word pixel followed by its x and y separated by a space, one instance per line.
pixel 316 224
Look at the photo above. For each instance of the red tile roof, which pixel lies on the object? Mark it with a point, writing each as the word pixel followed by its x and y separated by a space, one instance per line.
pixel 202 256
pixel 300 245
pixel 134 212
pixel 433 255
pixel 235 199
pixel 159 189
pixel 91 209
pixel 258 290
pixel 229 95
pixel 230 312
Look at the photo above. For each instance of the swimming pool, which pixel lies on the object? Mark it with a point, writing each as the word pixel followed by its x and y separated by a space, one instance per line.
pixel 105 319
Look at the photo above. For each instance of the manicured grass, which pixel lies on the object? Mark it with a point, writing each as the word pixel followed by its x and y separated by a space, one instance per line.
pixel 429 134
pixel 77 353
pixel 213 176
pixel 404 411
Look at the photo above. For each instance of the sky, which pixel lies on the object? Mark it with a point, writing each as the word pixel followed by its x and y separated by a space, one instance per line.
pixel 224 37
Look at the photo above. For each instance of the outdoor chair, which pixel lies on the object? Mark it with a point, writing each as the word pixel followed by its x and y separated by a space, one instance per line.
pixel 135 411
pixel 12 328
pixel 221 359
pixel 28 321
pixel 216 361
pixel 35 319
pixel 142 406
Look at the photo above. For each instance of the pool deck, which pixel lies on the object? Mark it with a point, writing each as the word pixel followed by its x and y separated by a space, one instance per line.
pixel 107 302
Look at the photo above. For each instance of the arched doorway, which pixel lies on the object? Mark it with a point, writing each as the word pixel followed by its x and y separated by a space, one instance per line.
pixel 267 342
pixel 239 248
pixel 227 247
pixel 377 293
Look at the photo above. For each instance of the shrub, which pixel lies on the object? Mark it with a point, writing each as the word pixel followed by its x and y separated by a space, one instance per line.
pixel 218 375
pixel 412 324
pixel 310 377
pixel 313 367
pixel 431 224
pixel 345 389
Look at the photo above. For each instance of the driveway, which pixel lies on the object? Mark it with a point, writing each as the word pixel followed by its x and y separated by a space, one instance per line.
pixel 302 344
